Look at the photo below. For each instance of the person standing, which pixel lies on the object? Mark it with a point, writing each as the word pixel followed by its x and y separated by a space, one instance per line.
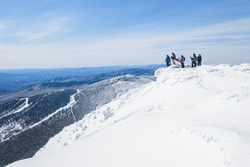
pixel 194 59
pixel 167 61
pixel 182 59
pixel 199 60
pixel 173 57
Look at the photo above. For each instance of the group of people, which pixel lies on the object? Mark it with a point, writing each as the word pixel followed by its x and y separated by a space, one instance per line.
pixel 194 59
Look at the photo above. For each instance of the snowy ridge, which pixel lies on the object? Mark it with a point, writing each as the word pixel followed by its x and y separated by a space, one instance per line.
pixel 123 78
pixel 49 113
pixel 90 124
pixel 14 127
pixel 69 105
pixel 20 108
pixel 25 105
pixel 188 117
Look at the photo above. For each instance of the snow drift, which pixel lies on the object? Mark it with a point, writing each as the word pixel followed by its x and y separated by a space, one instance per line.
pixel 188 117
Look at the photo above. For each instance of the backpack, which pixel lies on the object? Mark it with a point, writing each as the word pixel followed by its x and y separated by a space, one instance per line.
pixel 184 58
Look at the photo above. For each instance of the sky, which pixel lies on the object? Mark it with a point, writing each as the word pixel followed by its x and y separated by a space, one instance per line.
pixel 76 33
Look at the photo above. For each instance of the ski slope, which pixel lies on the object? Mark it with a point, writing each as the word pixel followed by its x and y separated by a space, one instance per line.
pixel 188 117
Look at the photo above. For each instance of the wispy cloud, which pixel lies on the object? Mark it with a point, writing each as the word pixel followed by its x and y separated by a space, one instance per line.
pixel 225 40
pixel 42 29
pixel 41 26
pixel 221 30
pixel 238 29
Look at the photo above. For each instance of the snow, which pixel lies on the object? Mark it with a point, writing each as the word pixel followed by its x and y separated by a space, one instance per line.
pixel 13 126
pixel 188 117
pixel 70 105
pixel 22 107
pixel 19 109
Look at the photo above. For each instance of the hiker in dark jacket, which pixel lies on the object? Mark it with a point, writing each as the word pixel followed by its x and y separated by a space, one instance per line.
pixel 167 61
pixel 173 57
pixel 194 59
pixel 199 60
pixel 182 59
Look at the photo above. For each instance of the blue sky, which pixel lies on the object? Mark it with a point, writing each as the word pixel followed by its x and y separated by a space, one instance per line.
pixel 56 34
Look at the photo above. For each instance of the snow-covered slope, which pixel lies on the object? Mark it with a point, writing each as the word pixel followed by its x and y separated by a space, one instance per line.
pixel 26 124
pixel 188 117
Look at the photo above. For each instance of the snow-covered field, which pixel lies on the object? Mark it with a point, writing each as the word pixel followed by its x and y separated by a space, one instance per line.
pixel 191 117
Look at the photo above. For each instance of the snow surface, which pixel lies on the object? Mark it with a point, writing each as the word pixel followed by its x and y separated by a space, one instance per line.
pixel 189 117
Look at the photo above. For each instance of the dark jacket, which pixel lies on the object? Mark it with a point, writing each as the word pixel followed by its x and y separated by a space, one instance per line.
pixel 173 57
pixel 199 58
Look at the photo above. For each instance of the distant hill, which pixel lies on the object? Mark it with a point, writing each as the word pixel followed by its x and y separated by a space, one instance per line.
pixel 18 78
pixel 4 91
pixel 72 81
